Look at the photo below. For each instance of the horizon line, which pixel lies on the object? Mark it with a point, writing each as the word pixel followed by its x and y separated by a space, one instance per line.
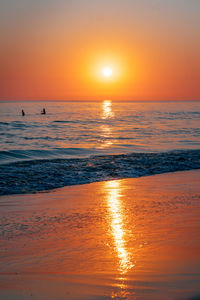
pixel 89 100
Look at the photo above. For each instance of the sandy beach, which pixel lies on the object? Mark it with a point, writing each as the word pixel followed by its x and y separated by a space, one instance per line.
pixel 122 239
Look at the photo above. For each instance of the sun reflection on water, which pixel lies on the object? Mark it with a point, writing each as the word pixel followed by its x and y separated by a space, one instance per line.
pixel 117 219
pixel 106 134
pixel 107 109
pixel 106 129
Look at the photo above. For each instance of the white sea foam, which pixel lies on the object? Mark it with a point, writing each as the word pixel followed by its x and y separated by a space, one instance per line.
pixel 45 174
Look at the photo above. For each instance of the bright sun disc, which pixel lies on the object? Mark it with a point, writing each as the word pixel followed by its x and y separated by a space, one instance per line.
pixel 107 72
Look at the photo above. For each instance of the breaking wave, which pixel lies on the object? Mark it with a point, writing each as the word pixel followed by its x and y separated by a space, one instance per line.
pixel 29 176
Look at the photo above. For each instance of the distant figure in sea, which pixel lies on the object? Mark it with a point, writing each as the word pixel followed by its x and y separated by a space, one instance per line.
pixel 23 113
pixel 43 112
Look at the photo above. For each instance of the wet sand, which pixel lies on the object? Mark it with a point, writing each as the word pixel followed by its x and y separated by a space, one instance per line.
pixel 122 239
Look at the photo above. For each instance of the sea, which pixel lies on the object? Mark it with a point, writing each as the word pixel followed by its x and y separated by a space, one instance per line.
pixel 82 142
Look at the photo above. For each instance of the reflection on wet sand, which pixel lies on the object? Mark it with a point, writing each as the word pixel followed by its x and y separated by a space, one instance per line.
pixel 117 224
pixel 82 242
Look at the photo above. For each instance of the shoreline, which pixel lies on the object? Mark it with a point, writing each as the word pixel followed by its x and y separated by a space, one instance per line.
pixel 33 176
pixel 93 182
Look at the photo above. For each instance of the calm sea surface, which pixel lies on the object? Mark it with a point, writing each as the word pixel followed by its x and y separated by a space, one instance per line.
pixel 84 131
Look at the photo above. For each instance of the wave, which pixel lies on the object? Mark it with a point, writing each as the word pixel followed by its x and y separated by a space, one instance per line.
pixel 45 174
pixel 12 156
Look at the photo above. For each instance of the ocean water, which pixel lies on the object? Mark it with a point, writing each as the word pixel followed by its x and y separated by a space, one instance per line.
pixel 82 142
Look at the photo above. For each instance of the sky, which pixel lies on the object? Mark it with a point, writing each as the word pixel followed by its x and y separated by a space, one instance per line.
pixel 58 49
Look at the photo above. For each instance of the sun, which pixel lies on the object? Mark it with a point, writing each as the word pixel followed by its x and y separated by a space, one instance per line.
pixel 107 72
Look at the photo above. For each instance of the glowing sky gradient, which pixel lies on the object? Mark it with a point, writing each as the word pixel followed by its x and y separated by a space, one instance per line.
pixel 57 49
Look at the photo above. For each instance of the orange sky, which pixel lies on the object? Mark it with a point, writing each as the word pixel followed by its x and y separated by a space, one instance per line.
pixel 57 49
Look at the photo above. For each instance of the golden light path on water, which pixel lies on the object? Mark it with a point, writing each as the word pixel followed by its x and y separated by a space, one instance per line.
pixel 117 224
pixel 107 110
pixel 113 198
pixel 106 130
pixel 106 134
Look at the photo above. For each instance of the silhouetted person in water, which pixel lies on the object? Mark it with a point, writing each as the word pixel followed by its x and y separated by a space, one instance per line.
pixel 23 113
pixel 43 112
